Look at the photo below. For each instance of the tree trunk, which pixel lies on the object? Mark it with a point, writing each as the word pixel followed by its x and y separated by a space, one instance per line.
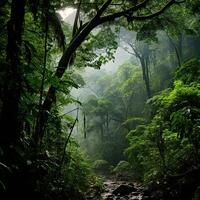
pixel 178 50
pixel 12 86
pixel 145 72
pixel 37 134
pixel 107 124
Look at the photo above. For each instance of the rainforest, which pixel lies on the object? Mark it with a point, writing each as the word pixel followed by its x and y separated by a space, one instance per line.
pixel 100 99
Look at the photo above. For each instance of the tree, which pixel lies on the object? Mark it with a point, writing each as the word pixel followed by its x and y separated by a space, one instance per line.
pixel 143 53
pixel 12 85
pixel 171 136
pixel 114 112
pixel 82 33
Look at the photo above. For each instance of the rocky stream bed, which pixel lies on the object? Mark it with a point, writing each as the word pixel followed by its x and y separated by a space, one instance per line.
pixel 116 190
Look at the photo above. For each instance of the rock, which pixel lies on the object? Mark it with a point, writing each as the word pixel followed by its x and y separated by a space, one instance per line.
pixel 122 198
pixel 135 193
pixel 134 198
pixel 106 190
pixel 110 197
pixel 146 192
pixel 145 198
pixel 123 190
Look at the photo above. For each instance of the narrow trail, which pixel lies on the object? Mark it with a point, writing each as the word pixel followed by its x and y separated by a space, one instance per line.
pixel 117 190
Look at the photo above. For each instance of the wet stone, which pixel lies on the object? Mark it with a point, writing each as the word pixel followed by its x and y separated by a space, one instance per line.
pixel 117 190
pixel 123 190
pixel 110 197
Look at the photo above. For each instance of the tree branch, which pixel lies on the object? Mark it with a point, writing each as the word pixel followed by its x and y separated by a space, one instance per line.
pixel 80 37
pixel 141 18
pixel 135 51
pixel 114 16
pixel 129 52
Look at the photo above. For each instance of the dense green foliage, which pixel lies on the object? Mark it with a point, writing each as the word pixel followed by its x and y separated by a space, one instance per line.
pixel 109 114
pixel 171 137
pixel 162 132
pixel 163 139
pixel 169 144
pixel 141 121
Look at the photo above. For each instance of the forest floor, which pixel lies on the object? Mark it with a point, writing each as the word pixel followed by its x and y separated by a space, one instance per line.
pixel 116 190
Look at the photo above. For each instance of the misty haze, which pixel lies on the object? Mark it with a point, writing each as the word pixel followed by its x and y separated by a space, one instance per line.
pixel 99 100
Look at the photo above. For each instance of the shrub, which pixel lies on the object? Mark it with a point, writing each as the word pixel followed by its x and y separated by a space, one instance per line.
pixel 101 166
